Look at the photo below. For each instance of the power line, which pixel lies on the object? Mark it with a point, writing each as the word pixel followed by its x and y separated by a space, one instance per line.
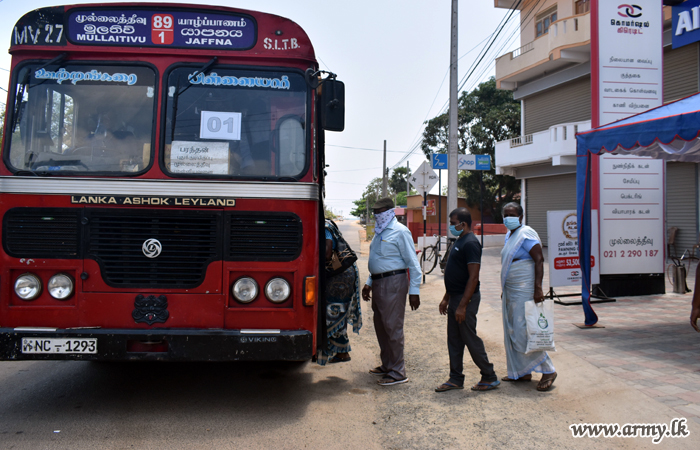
pixel 353 170
pixel 368 149
pixel 493 37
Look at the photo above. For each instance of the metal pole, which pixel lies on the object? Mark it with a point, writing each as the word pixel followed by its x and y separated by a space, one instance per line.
pixel 481 200
pixel 453 136
pixel 408 183
pixel 367 213
pixel 384 174
pixel 425 224
pixel 439 210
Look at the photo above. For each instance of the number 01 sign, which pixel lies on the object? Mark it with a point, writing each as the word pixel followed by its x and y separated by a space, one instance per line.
pixel 220 125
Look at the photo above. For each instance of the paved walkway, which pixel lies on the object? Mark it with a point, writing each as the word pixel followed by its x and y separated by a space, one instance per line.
pixel 647 341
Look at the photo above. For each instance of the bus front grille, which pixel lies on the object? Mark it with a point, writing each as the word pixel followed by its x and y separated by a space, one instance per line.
pixel 41 233
pixel 156 249
pixel 261 236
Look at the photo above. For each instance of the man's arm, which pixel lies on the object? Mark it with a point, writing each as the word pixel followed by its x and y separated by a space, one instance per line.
pixel 442 307
pixel 461 312
pixel 408 254
pixel 695 310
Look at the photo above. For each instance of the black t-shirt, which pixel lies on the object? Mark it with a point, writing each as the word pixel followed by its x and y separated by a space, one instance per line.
pixel 465 251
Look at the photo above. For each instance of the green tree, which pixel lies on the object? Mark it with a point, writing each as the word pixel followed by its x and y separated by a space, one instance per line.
pixel 401 198
pixel 2 124
pixel 372 193
pixel 327 213
pixel 397 181
pixel 486 115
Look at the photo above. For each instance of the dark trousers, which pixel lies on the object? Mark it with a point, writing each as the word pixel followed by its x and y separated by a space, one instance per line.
pixel 464 334
pixel 389 307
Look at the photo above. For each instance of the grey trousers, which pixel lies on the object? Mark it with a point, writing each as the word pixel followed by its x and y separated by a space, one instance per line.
pixel 464 334
pixel 389 307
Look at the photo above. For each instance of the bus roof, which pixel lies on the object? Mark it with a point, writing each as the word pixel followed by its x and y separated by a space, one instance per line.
pixel 161 28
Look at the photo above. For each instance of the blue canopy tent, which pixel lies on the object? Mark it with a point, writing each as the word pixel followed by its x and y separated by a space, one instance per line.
pixel 668 132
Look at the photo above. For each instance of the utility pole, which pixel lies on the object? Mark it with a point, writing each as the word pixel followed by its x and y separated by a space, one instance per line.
pixel 384 174
pixel 408 183
pixel 367 212
pixel 453 136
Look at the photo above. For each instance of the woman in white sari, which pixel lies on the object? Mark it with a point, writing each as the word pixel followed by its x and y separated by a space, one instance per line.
pixel 522 270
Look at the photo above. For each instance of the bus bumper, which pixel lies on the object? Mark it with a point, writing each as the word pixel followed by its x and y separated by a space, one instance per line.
pixel 154 345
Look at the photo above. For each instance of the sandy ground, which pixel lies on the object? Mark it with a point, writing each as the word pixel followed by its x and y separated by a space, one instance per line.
pixel 82 405
pixel 513 416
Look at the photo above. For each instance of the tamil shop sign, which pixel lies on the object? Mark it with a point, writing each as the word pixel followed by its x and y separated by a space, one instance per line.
pixel 628 59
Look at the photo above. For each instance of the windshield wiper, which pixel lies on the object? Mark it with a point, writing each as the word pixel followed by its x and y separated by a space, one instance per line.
pixel 19 104
pixel 179 92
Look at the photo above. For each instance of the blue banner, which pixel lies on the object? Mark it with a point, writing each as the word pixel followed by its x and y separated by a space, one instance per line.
pixel 686 23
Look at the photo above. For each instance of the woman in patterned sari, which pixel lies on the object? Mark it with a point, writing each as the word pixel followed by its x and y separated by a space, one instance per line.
pixel 521 280
pixel 342 305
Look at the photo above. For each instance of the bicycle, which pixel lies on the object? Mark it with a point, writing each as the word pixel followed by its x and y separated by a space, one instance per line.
pixel 431 256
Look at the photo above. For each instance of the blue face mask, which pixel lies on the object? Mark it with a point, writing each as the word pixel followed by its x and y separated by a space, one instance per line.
pixel 511 222
pixel 455 231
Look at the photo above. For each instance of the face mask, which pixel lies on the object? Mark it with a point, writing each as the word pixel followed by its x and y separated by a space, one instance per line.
pixel 511 222
pixel 455 231
pixel 382 220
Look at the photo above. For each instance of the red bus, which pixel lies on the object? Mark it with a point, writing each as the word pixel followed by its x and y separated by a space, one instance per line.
pixel 161 185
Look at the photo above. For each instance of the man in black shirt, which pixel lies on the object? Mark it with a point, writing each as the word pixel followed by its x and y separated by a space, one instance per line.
pixel 461 303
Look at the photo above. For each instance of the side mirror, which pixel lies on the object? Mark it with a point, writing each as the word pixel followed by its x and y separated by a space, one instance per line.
pixel 332 105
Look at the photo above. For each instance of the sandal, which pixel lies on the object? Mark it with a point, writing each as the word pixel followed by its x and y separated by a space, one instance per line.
pixel 334 359
pixel 378 371
pixel 546 384
pixel 523 378
pixel 485 386
pixel 390 381
pixel 447 386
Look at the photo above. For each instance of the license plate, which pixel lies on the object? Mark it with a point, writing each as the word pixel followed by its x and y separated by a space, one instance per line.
pixel 59 345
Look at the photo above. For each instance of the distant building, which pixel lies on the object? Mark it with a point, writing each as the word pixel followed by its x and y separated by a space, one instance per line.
pixel 550 75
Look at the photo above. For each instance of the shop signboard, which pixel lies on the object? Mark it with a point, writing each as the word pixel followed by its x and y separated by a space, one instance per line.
pixel 631 215
pixel 686 23
pixel 562 239
pixel 627 59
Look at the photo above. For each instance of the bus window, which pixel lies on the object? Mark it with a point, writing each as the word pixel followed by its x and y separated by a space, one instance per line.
pixel 229 123
pixel 84 118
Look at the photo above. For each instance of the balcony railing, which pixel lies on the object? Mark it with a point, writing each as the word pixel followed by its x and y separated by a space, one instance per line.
pixel 564 42
pixel 524 49
pixel 521 140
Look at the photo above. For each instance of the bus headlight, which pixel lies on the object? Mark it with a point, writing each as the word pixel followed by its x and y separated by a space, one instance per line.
pixel 28 286
pixel 60 286
pixel 277 290
pixel 245 290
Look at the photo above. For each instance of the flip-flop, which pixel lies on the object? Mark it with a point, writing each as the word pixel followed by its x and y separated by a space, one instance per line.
pixel 521 379
pixel 447 386
pixel 547 383
pixel 378 371
pixel 334 359
pixel 488 386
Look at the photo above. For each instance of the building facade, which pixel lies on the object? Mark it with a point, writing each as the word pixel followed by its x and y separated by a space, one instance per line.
pixel 550 74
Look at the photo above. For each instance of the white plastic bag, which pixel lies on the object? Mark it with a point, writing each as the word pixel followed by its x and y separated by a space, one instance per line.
pixel 540 326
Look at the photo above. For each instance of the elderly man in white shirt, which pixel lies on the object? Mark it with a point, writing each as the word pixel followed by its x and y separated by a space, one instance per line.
pixel 392 258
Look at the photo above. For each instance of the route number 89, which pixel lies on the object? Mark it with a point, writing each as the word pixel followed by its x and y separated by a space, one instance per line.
pixel 162 30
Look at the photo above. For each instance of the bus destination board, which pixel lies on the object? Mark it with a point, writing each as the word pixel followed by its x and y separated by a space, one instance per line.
pixel 137 28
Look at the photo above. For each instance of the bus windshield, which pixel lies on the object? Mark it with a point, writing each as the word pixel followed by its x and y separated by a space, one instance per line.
pixel 238 123
pixel 83 118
